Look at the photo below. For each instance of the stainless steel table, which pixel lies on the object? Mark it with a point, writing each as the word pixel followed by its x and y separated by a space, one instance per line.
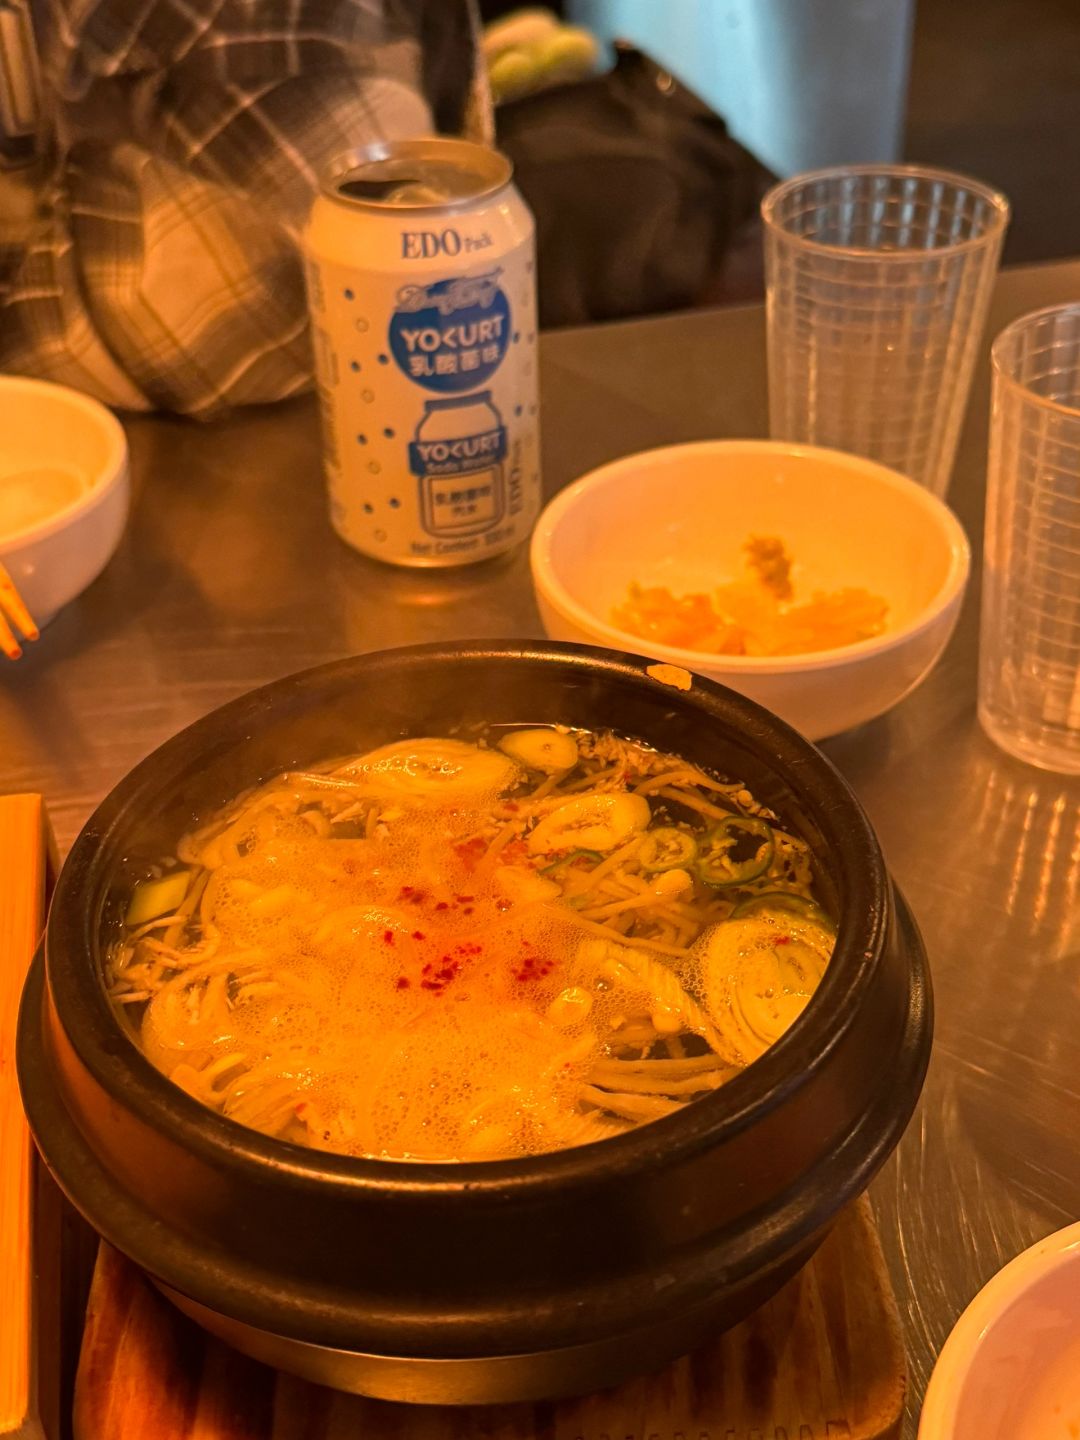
pixel 229 576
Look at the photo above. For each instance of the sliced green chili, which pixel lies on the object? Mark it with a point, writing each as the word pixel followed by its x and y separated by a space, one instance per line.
pixel 738 850
pixel 569 859
pixel 666 848
pixel 786 901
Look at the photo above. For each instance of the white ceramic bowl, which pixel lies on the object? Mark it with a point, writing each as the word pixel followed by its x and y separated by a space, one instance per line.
pixel 679 516
pixel 1010 1370
pixel 60 523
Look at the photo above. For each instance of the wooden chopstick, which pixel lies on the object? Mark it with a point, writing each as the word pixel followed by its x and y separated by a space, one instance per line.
pixel 23 859
pixel 13 613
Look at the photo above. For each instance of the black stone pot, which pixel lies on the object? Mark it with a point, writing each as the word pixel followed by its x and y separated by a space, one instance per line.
pixel 498 1280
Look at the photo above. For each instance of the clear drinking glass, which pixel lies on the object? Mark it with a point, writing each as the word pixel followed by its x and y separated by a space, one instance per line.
pixel 878 280
pixel 1029 653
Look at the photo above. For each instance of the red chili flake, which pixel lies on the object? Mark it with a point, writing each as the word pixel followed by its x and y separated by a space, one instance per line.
pixel 402 983
pixel 467 910
pixel 301 1107
pixel 418 935
pixel 782 940
pixel 464 899
pixel 427 969
pixel 442 905
pixel 470 851
pixel 388 937
pixel 405 892
pixel 512 807
pixel 430 985
pixel 532 967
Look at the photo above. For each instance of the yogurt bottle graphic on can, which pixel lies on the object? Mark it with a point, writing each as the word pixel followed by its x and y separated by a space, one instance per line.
pixel 421 284
pixel 458 456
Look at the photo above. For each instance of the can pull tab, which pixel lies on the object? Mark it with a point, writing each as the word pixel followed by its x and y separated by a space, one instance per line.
pixel 19 85
pixel 400 190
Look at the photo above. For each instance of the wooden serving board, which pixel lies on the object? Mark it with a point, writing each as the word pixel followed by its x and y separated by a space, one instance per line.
pixel 29 1380
pixel 822 1360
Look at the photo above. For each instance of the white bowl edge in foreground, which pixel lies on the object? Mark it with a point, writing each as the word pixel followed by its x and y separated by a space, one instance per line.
pixel 1010 1369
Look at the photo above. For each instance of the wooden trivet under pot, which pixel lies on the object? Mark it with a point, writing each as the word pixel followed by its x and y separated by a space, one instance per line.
pixel 822 1360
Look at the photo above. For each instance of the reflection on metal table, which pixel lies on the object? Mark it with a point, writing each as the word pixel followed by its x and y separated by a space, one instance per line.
pixel 230 576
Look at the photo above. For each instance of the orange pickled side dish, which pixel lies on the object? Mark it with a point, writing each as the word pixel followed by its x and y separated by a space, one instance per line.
pixel 754 615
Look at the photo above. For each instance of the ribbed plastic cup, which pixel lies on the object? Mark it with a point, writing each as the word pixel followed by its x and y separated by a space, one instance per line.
pixel 878 281
pixel 1029 651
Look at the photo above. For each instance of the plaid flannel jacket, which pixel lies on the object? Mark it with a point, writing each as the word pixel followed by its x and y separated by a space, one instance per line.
pixel 155 264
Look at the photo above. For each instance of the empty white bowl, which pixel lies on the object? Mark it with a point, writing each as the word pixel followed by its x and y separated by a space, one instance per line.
pixel 1010 1370
pixel 64 490
pixel 679 516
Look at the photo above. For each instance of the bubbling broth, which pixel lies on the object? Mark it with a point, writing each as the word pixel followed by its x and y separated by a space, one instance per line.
pixel 449 951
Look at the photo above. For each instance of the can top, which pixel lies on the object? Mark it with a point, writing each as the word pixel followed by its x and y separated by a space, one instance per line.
pixel 430 173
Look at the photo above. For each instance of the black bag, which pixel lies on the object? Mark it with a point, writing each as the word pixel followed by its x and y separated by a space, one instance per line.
pixel 637 188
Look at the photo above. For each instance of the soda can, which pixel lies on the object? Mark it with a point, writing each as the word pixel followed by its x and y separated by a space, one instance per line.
pixel 420 265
